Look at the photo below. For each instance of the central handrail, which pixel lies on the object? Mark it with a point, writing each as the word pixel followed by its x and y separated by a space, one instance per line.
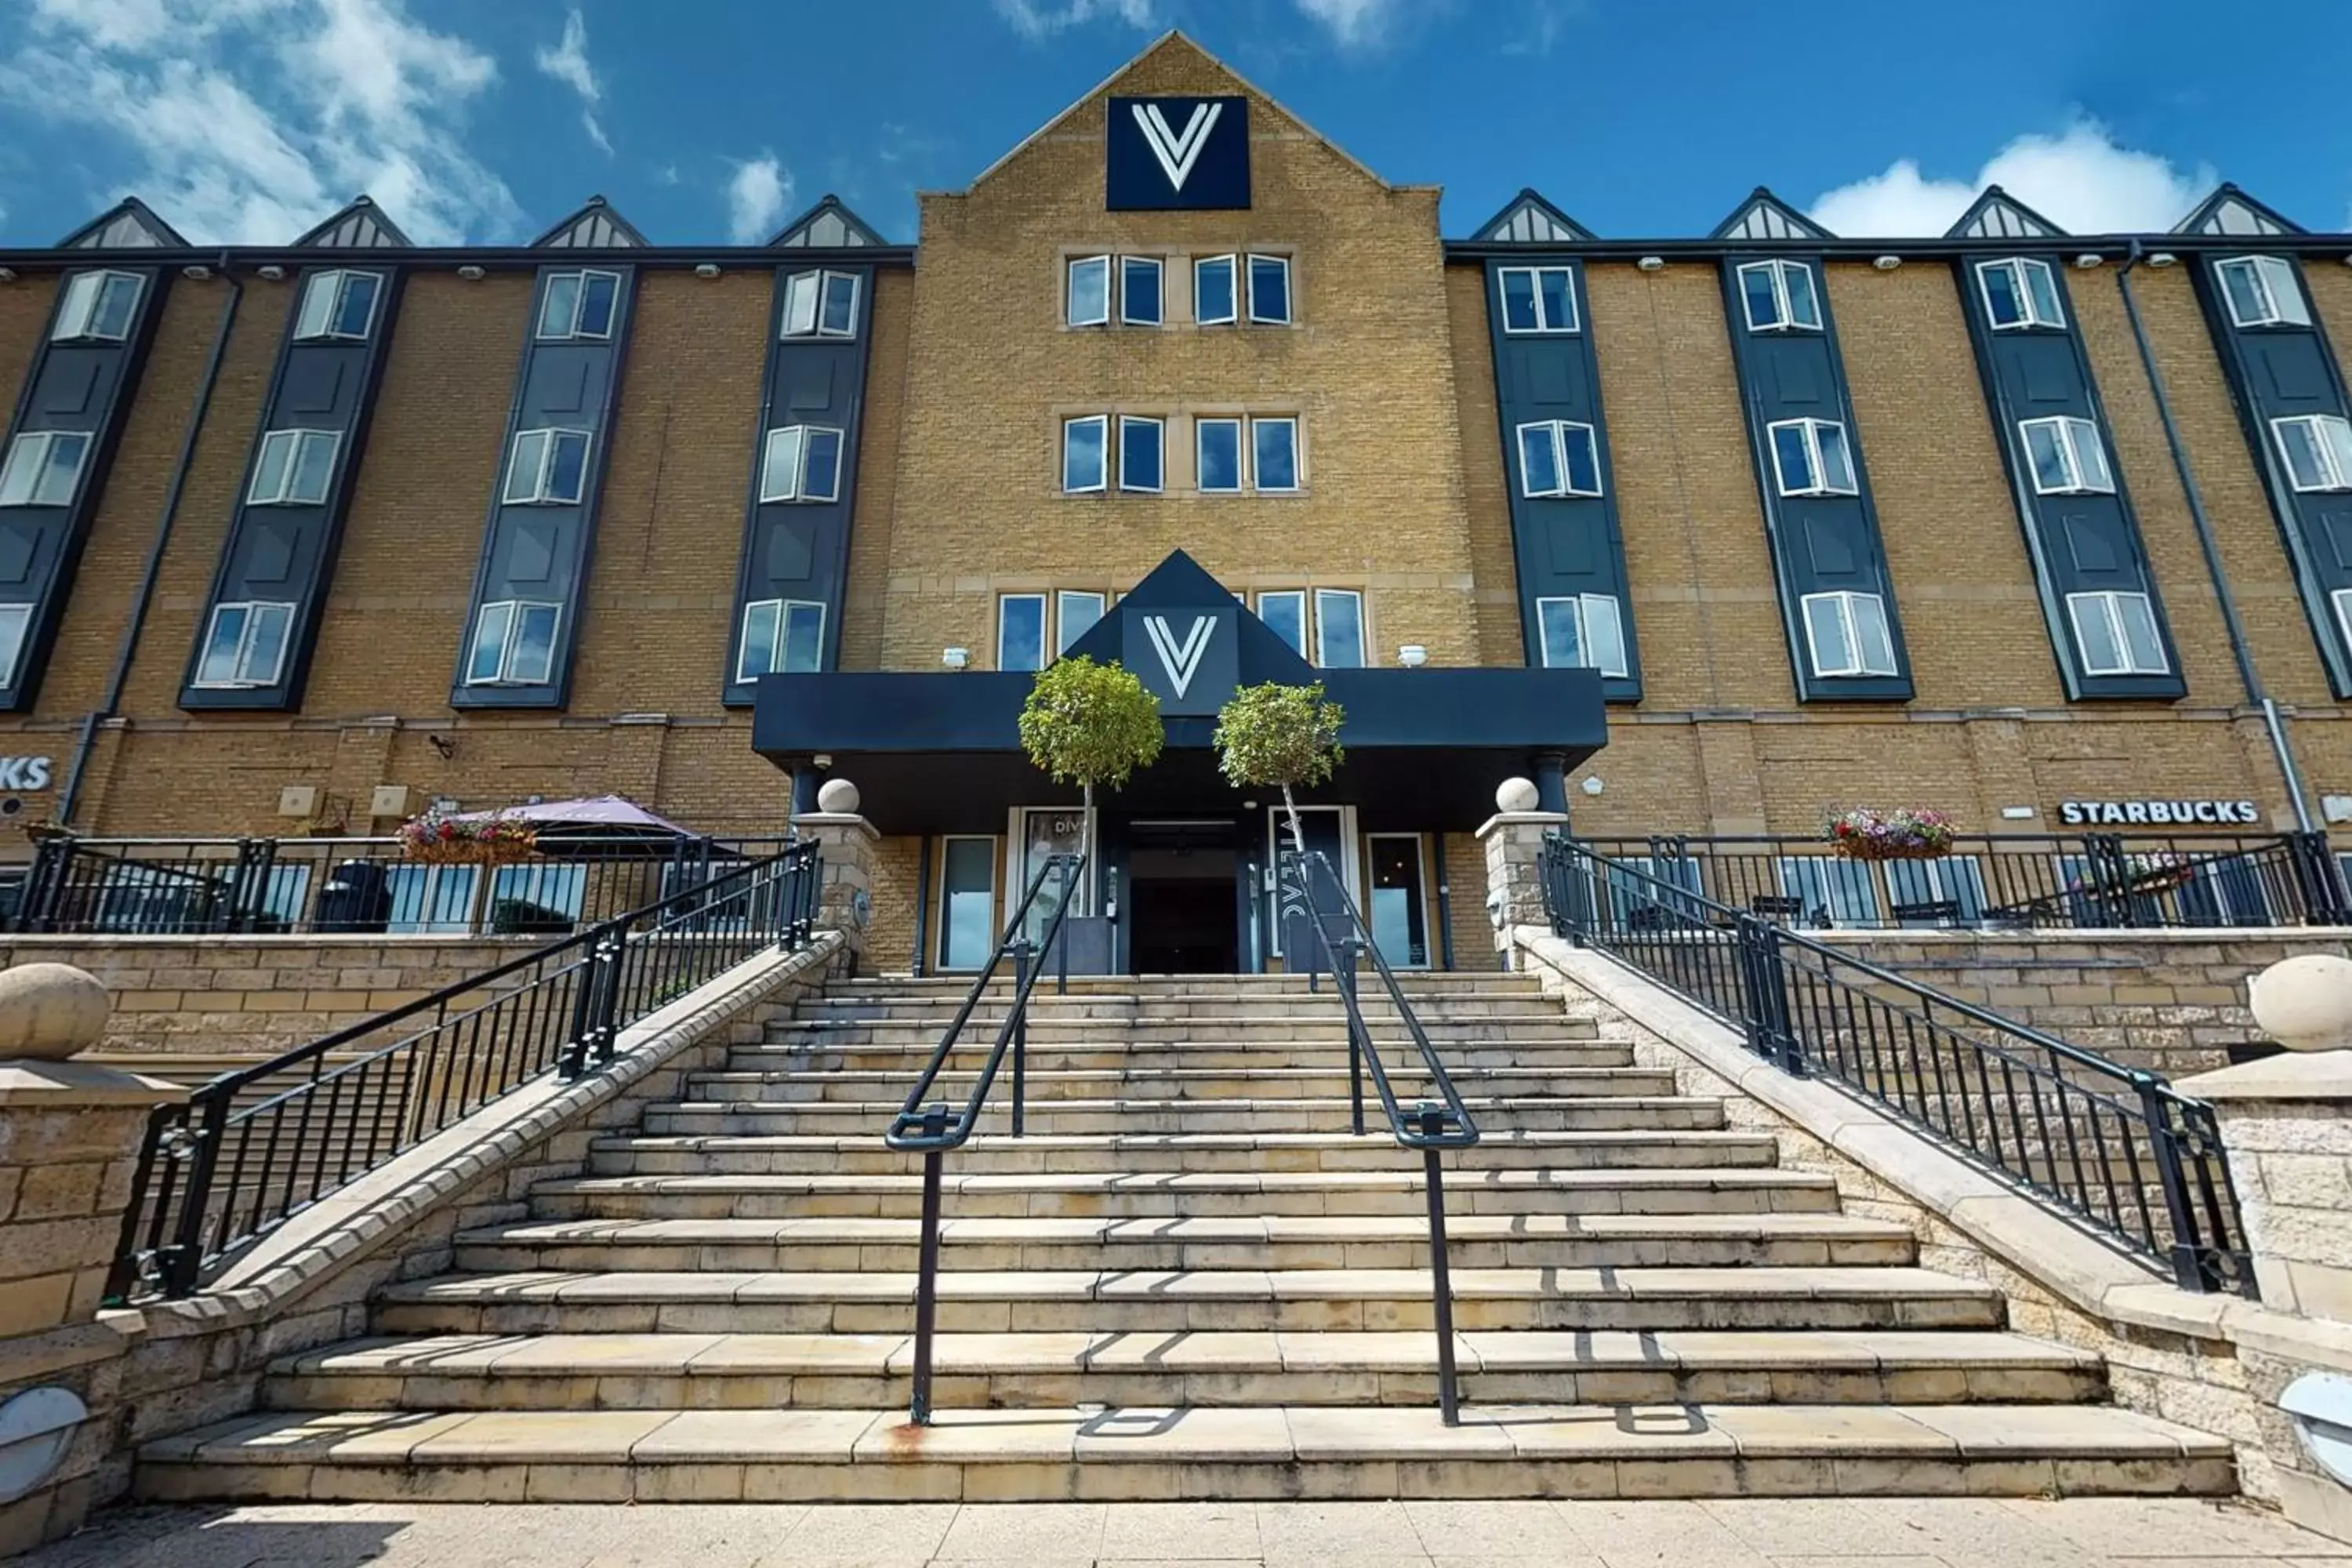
pixel 933 1130
pixel 1428 1127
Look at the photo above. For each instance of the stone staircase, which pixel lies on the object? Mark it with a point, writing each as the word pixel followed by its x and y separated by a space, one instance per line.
pixel 1187 1280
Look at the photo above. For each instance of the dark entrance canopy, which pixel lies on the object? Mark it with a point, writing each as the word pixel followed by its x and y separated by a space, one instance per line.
pixel 941 753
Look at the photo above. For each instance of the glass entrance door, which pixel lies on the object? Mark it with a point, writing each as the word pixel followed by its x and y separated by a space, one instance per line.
pixel 967 902
pixel 1038 833
pixel 1394 910
pixel 1327 829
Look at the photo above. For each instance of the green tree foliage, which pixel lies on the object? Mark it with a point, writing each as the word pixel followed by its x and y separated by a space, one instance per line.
pixel 1089 724
pixel 1276 736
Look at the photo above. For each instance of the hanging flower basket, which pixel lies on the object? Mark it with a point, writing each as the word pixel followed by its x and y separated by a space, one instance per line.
pixel 438 839
pixel 1899 835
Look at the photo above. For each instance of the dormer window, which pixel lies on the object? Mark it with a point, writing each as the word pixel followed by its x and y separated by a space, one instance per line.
pixel 99 305
pixel 2020 292
pixel 1780 297
pixel 2263 292
pixel 1537 299
pixel 2318 449
pixel 338 305
pixel 1809 457
pixel 821 305
pixel 579 305
pixel 2067 457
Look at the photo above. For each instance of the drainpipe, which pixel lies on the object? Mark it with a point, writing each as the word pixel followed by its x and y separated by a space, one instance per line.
pixel 129 646
pixel 2273 721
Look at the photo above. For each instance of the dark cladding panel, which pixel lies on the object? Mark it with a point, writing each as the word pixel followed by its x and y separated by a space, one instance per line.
pixel 2107 626
pixel 522 624
pixel 269 589
pixel 70 415
pixel 1837 598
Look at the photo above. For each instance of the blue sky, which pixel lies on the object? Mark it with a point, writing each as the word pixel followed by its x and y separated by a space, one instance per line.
pixel 488 120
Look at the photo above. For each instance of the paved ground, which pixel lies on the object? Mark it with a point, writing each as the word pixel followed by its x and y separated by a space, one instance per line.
pixel 1938 1534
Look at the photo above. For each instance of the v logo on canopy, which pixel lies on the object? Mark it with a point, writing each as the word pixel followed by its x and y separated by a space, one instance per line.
pixel 1182 661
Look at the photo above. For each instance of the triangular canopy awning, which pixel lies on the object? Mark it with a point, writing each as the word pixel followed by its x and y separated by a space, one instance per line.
pixel 590 816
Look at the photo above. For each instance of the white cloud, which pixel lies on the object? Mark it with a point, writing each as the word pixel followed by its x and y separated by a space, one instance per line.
pixel 1042 19
pixel 1355 24
pixel 567 62
pixel 757 196
pixel 2081 179
pixel 249 120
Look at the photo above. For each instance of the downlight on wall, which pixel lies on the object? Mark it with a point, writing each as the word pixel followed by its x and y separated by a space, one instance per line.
pixel 1652 264
pixel 706 269
pixel 2087 260
pixel 2163 259
pixel 470 273
pixel 1887 263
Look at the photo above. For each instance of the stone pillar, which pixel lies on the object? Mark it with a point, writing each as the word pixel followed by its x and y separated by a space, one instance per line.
pixel 2286 1122
pixel 1511 838
pixel 69 1139
pixel 847 841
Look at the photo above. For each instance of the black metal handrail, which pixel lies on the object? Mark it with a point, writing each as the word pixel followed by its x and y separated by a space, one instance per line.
pixel 934 1130
pixel 252 1148
pixel 2010 881
pixel 2116 1147
pixel 1428 1127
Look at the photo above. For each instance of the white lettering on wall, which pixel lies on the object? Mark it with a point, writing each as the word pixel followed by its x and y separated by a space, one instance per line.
pixel 24 773
pixel 2159 813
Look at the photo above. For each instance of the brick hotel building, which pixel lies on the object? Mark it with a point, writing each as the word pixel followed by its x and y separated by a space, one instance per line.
pixel 1706 535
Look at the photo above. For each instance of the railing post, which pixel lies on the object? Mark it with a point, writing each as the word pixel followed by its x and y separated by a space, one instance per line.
pixel 1441 1278
pixel 46 884
pixel 2189 1241
pixel 1765 994
pixel 1062 938
pixel 179 1265
pixel 927 1268
pixel 1019 1034
pixel 2324 896
pixel 1343 975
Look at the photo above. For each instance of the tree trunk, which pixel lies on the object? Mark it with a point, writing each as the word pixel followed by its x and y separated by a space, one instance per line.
pixel 1086 845
pixel 1298 834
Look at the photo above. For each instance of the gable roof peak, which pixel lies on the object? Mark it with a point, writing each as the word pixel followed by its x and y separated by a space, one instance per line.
pixel 362 225
pixel 1529 218
pixel 1764 216
pixel 829 224
pixel 2230 210
pixel 1996 215
pixel 597 226
pixel 129 225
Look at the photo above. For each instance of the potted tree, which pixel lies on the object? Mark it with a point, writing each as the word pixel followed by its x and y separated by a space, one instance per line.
pixel 1280 737
pixel 1089 724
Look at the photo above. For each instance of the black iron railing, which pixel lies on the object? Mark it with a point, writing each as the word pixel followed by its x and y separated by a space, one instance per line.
pixel 2018 882
pixel 190 887
pixel 1432 1126
pixel 2116 1147
pixel 253 1148
pixel 934 1130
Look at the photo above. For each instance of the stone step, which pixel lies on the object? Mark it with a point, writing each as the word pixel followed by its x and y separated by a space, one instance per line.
pixel 1043 1006
pixel 1409 1079
pixel 752 1371
pixel 1320 1028
pixel 1592 1114
pixel 1415 982
pixel 1593 1450
pixel 1121 1194
pixel 862 1152
pixel 1238 1241
pixel 908 1058
pixel 1169 1302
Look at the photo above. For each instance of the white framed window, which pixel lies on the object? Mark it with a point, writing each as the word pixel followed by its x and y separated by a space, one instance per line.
pixel 1143 453
pixel 1780 297
pixel 1582 631
pixel 1085 461
pixel 1087 297
pixel 44 467
pixel 99 306
pixel 1538 299
pixel 1076 611
pixel 1558 457
pixel 550 467
pixel 2020 291
pixel 1139 300
pixel 1217 298
pixel 246 645
pixel 1020 631
pixel 1284 610
pixel 1217 456
pixel 781 637
pixel 578 304
pixel 514 643
pixel 2263 292
pixel 1831 890
pixel 1340 628
pixel 338 305
pixel 2317 450
pixel 1269 290
pixel 2067 457
pixel 803 463
pixel 294 467
pixel 1274 453
pixel 1847 634
pixel 820 305
pixel 16 625
pixel 2117 633
pixel 2341 598
pixel 1809 457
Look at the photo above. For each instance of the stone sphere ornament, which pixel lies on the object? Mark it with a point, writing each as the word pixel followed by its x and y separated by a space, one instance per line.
pixel 2305 1003
pixel 1516 797
pixel 837 797
pixel 50 1011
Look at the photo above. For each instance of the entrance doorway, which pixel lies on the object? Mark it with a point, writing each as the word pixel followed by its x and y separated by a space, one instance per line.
pixel 1183 906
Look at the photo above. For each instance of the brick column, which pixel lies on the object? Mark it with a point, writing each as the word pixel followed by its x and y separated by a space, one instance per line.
pixel 847 841
pixel 70 1137
pixel 1511 838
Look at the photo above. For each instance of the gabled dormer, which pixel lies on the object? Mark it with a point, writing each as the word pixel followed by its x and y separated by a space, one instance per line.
pixel 596 227
pixel 1764 216
pixel 2230 210
pixel 1996 215
pixel 130 226
pixel 359 227
pixel 1529 219
pixel 828 226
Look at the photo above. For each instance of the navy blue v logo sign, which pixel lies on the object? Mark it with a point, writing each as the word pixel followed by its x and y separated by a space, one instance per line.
pixel 1165 153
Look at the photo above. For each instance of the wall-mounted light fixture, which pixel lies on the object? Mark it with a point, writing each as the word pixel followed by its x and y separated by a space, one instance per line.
pixel 1887 263
pixel 1652 263
pixel 955 658
pixel 2087 260
pixel 1412 656
pixel 447 745
pixel 706 269
pixel 2162 258
pixel 7 275
pixel 1592 784
pixel 272 271
pixel 196 271
pixel 470 273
